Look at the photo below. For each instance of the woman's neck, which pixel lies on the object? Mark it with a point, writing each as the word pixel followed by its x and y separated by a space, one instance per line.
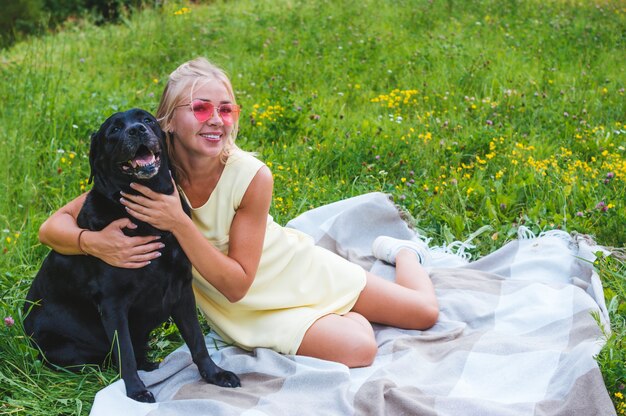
pixel 200 179
pixel 194 167
pixel 199 170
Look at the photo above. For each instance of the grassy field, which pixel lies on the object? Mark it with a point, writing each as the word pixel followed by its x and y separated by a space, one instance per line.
pixel 470 113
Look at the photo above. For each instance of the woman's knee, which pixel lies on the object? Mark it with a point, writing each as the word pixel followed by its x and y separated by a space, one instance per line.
pixel 428 316
pixel 425 315
pixel 361 351
pixel 347 339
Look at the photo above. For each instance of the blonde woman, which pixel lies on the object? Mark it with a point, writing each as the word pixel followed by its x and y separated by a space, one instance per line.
pixel 257 283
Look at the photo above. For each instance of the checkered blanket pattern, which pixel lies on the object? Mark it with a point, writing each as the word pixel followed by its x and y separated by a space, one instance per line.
pixel 517 335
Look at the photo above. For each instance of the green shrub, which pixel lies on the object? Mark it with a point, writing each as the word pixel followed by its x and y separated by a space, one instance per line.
pixel 18 17
pixel 60 10
pixel 26 17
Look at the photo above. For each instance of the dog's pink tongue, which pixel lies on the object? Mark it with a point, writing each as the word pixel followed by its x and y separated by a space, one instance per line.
pixel 144 160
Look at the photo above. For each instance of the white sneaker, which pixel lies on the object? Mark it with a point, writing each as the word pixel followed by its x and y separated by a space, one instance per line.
pixel 385 248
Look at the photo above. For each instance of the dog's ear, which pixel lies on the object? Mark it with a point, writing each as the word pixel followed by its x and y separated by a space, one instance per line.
pixel 93 150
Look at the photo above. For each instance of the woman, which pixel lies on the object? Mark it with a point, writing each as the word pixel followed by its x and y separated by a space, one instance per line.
pixel 257 283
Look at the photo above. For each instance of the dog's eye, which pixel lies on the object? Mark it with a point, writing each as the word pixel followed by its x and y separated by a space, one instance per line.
pixel 115 129
pixel 148 121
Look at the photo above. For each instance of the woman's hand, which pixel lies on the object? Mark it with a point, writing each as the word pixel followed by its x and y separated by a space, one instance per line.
pixel 112 246
pixel 161 211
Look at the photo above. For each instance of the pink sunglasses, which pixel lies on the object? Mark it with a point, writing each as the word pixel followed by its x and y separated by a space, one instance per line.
pixel 204 110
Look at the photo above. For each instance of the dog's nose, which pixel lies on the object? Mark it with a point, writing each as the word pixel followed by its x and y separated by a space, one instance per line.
pixel 136 129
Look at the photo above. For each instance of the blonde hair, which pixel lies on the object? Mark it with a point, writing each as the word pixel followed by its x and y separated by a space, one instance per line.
pixel 180 87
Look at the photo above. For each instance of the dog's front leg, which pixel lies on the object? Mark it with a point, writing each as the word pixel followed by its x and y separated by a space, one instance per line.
pixel 115 320
pixel 186 319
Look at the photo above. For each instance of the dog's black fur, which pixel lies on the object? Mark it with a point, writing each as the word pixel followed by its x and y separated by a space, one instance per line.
pixel 81 309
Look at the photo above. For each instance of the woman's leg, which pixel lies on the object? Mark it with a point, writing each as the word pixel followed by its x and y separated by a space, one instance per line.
pixel 347 339
pixel 408 303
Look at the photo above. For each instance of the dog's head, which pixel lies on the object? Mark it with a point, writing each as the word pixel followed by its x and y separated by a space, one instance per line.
pixel 129 147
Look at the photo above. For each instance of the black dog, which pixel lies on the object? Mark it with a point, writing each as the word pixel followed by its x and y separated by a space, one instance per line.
pixel 81 309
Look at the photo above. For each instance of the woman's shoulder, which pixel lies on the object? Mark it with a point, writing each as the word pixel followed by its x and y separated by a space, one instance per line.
pixel 241 169
pixel 242 160
pixel 239 156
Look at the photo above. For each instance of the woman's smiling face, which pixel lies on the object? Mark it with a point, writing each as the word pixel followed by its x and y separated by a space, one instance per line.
pixel 202 138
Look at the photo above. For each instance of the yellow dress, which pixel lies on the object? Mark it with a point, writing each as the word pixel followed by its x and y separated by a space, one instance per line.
pixel 296 283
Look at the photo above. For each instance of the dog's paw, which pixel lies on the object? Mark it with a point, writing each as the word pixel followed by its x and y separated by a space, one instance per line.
pixel 227 379
pixel 143 396
pixel 222 378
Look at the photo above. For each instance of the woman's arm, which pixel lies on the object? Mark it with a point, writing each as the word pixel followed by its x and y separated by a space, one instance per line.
pixel 232 274
pixel 62 233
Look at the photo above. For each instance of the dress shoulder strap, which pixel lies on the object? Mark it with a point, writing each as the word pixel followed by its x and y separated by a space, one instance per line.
pixel 241 167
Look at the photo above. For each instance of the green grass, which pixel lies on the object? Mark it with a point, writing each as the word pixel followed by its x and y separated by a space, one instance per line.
pixel 473 113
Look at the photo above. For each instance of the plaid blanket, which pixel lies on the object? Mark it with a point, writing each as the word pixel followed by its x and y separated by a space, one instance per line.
pixel 517 335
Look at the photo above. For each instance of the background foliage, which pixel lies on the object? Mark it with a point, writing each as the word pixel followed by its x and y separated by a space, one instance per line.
pixel 473 113
pixel 21 18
